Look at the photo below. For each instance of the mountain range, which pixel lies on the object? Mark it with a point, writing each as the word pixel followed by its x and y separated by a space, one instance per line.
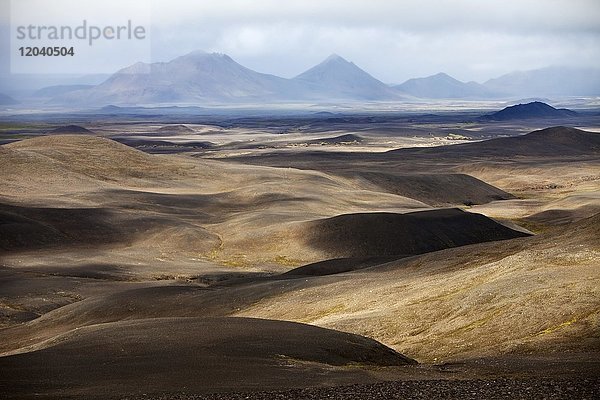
pixel 200 77
pixel 215 78
pixel 550 81
pixel 443 86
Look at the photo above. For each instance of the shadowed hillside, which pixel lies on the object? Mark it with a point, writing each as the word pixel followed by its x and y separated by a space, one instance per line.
pixel 382 234
pixel 199 354
pixel 437 189
pixel 556 141
pixel 127 274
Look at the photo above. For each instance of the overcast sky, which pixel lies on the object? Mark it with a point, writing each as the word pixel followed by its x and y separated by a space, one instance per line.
pixel 392 40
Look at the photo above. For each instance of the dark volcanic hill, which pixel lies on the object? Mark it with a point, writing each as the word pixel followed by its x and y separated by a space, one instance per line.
pixel 349 138
pixel 551 142
pixel 555 141
pixel 70 130
pixel 534 109
pixel 440 189
pixel 389 234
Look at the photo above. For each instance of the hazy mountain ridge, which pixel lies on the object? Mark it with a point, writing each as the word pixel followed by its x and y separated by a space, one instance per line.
pixel 443 86
pixel 195 77
pixel 550 81
pixel 206 78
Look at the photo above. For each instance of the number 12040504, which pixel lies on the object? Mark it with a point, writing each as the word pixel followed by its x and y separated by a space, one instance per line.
pixel 55 51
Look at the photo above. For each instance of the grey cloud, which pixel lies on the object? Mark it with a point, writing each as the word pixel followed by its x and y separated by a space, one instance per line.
pixel 393 40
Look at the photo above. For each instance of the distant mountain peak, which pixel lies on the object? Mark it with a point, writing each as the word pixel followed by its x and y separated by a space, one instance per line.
pixel 335 57
pixel 203 55
pixel 332 67
pixel 338 78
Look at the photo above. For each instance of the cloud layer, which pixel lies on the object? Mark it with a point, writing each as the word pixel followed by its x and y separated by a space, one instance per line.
pixel 393 40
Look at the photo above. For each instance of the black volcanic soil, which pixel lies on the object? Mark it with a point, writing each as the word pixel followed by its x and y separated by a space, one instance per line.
pixel 197 354
pixel 388 234
pixel 549 142
pixel 555 143
pixel 437 189
pixel 494 389
pixel 70 130
pixel 142 340
pixel 336 266
pixel 164 146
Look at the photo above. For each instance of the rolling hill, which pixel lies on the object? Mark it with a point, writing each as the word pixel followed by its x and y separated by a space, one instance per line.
pixel 198 354
pixel 387 234
pixel 550 142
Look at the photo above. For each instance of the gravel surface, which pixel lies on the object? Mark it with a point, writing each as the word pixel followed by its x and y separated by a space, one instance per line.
pixel 563 389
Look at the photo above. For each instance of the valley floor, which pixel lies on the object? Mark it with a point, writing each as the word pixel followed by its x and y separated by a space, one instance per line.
pixel 266 264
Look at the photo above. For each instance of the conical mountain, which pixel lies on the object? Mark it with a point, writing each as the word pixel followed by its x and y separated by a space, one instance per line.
pixel 337 78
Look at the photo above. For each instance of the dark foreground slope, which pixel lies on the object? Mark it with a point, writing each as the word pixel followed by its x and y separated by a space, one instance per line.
pixel 190 354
